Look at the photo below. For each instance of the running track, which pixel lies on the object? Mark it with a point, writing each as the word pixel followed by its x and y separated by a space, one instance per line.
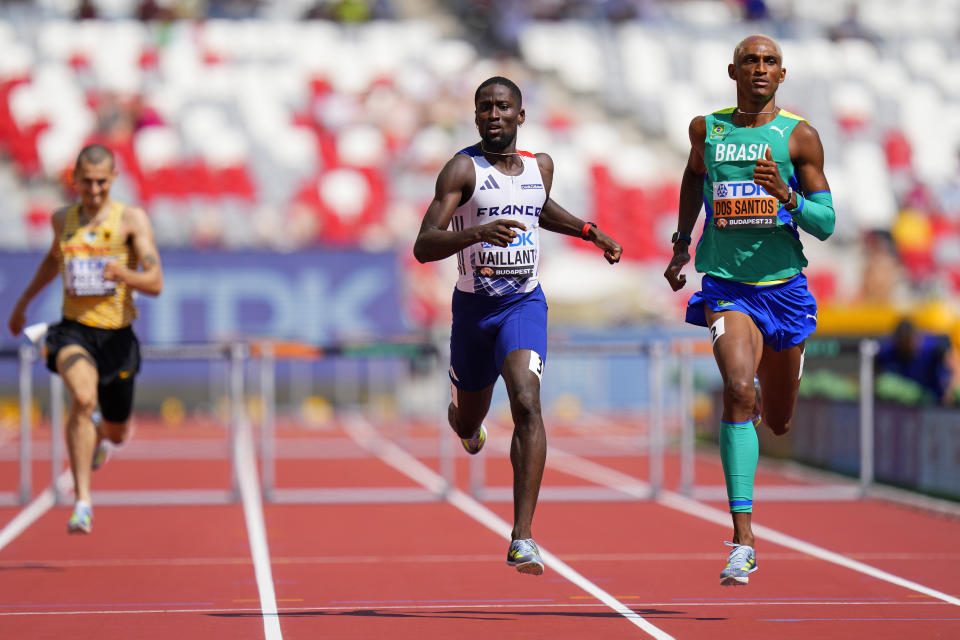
pixel 626 569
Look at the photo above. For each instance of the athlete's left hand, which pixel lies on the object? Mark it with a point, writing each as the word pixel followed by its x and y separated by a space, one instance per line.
pixel 114 271
pixel 766 174
pixel 611 248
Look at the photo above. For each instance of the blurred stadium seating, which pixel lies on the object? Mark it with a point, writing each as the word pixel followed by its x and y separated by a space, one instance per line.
pixel 276 132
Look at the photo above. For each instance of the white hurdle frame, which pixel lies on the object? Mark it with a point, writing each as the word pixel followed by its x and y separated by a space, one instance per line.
pixel 237 356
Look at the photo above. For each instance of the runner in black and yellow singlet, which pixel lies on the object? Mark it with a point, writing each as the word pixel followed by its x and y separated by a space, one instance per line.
pixel 758 171
pixel 104 251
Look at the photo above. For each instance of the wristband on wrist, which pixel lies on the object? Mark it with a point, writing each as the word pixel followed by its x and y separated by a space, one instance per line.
pixel 797 209
pixel 678 236
pixel 784 203
pixel 585 232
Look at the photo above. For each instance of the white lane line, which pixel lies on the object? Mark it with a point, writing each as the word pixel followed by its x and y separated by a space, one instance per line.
pixel 256 529
pixel 32 512
pixel 631 486
pixel 692 507
pixel 443 559
pixel 410 466
pixel 485 605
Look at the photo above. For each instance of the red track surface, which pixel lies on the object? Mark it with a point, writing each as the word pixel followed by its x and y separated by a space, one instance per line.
pixel 431 571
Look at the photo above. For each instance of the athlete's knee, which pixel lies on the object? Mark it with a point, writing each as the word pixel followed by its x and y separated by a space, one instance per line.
pixel 83 403
pixel 116 432
pixel 779 427
pixel 525 406
pixel 740 393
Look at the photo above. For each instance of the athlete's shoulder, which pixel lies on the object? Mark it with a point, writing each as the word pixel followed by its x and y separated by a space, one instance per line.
pixel 472 151
pixel 59 217
pixel 697 129
pixel 60 213
pixel 726 111
pixel 130 211
pixel 543 159
pixel 791 115
pixel 134 218
pixel 805 133
pixel 462 162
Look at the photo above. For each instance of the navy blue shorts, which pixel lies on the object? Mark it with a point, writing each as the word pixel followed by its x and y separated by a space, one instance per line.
pixel 487 328
pixel 785 313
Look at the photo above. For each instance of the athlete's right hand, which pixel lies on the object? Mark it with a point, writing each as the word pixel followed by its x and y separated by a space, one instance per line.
pixel 18 318
pixel 500 232
pixel 676 279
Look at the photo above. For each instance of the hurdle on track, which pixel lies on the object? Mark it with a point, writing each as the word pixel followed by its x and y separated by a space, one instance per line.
pixel 666 424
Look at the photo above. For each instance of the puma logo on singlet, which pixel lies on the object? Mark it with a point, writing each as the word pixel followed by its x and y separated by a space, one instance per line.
pixel 778 130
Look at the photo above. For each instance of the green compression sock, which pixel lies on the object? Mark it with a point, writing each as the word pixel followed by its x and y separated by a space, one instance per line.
pixel 739 452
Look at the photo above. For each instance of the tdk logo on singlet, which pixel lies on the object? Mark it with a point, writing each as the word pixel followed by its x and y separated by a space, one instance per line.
pixel 523 239
pixel 738 190
pixel 489 183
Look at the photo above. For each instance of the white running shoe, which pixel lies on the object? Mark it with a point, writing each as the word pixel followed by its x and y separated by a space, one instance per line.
pixel 741 562
pixel 525 556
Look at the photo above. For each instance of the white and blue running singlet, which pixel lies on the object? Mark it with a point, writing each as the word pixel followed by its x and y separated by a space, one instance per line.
pixel 488 269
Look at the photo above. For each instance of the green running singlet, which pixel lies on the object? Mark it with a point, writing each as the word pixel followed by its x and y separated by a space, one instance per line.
pixel 747 235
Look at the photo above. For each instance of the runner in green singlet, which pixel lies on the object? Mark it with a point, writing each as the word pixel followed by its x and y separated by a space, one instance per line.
pixel 758 172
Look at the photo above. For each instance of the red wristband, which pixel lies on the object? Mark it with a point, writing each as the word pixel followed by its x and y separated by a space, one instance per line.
pixel 586 229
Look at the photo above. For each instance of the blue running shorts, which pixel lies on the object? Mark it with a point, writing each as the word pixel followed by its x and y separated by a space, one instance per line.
pixel 785 313
pixel 487 328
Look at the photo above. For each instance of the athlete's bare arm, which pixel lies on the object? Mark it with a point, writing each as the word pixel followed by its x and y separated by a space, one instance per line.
pixel 555 218
pixel 806 151
pixel 454 187
pixel 47 271
pixel 691 200
pixel 149 278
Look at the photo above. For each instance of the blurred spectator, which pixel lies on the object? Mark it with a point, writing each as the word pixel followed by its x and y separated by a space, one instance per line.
pixel 150 10
pixel 754 10
pixel 350 11
pixel 913 233
pixel 851 27
pixel 233 9
pixel 917 368
pixel 882 272
pixel 86 10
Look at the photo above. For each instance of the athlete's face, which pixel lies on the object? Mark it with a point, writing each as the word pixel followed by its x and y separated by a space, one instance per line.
pixel 497 116
pixel 92 181
pixel 757 69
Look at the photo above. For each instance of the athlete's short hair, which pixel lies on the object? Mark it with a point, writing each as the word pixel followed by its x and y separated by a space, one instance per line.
pixel 738 50
pixel 506 82
pixel 94 154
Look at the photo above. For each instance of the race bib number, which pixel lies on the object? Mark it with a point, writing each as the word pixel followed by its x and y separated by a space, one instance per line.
pixel 507 262
pixel 743 205
pixel 85 277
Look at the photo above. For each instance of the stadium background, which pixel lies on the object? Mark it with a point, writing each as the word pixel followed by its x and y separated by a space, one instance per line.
pixel 286 151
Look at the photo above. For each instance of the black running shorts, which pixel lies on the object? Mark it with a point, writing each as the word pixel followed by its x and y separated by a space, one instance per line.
pixel 117 354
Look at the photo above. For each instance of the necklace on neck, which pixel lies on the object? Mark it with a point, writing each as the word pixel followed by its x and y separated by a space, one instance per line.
pixel 737 110
pixel 496 153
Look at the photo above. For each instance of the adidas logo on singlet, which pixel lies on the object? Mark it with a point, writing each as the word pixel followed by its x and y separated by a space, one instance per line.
pixel 489 183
